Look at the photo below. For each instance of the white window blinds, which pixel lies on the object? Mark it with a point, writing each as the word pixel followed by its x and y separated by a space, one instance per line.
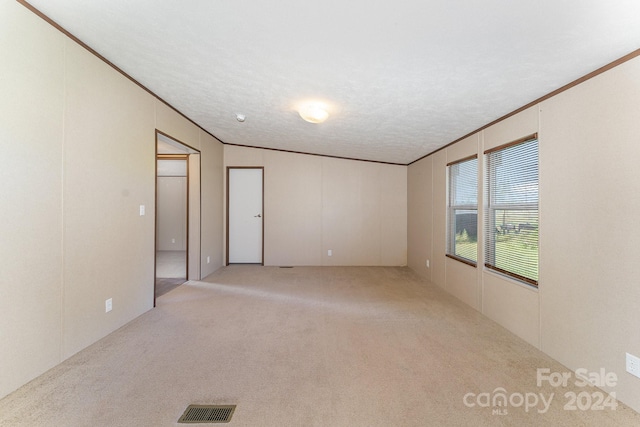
pixel 462 241
pixel 511 211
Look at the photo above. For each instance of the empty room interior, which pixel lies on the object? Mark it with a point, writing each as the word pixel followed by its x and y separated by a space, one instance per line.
pixel 371 213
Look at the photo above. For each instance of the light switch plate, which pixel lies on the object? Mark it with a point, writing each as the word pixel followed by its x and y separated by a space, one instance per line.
pixel 141 210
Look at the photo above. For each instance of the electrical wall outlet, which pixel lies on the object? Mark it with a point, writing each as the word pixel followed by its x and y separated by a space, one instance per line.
pixel 633 365
pixel 329 252
pixel 108 305
pixel 208 260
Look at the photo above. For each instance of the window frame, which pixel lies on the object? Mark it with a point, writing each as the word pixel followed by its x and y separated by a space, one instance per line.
pixel 490 207
pixel 452 208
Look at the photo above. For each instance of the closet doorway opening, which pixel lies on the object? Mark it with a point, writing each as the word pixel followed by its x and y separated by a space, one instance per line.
pixel 177 241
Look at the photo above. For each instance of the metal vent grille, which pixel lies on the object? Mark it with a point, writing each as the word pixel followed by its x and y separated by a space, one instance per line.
pixel 207 414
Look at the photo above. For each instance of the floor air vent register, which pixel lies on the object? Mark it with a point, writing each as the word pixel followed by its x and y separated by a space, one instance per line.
pixel 207 414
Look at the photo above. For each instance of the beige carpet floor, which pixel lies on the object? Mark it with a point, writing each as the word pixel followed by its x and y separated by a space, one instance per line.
pixel 171 270
pixel 166 285
pixel 171 264
pixel 305 346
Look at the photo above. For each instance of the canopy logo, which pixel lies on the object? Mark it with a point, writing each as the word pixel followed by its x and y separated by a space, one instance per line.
pixel 499 400
pixel 587 400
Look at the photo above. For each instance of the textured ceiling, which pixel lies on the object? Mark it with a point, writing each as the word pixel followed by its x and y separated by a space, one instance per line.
pixel 402 77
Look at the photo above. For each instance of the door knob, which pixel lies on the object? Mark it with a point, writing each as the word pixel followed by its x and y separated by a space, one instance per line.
pixel 257 216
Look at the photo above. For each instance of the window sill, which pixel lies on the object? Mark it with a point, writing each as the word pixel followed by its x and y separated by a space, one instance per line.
pixel 462 260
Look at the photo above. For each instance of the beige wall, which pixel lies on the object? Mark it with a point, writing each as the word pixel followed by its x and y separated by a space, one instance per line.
pixel 78 142
pixel 195 191
pixel 585 311
pixel 212 208
pixel 109 172
pixel 176 126
pixel 313 204
pixel 171 216
pixel 420 217
pixel 31 128
pixel 590 205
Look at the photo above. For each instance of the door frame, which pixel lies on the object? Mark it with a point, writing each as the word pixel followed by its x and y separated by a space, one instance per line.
pixel 227 213
pixel 185 158
pixel 194 246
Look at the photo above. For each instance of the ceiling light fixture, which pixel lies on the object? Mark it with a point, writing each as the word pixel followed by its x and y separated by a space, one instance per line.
pixel 314 112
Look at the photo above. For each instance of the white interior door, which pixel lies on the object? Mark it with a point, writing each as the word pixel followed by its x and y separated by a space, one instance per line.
pixel 245 215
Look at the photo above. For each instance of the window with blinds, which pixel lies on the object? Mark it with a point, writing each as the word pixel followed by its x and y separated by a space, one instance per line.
pixel 511 215
pixel 462 241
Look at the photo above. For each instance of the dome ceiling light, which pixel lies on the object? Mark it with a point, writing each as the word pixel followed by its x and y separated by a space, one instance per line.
pixel 313 112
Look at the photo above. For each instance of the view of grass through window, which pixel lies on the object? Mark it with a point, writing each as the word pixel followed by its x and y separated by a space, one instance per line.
pixel 516 239
pixel 511 210
pixel 516 234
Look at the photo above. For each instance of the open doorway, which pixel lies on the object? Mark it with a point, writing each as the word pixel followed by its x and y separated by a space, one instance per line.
pixel 172 208
pixel 177 247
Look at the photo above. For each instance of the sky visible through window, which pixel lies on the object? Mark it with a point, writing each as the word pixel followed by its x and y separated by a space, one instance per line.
pixel 466 187
pixel 516 185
